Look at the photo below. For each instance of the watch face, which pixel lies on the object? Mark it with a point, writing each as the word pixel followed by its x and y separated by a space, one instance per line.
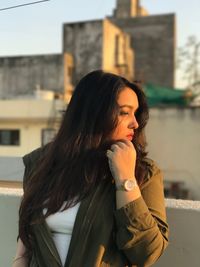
pixel 129 185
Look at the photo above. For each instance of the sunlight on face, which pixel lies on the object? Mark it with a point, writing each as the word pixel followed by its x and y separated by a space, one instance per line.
pixel 127 123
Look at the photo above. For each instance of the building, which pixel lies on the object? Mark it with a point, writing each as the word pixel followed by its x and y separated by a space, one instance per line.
pixel 26 124
pixel 21 75
pixel 131 43
pixel 98 44
pixel 152 39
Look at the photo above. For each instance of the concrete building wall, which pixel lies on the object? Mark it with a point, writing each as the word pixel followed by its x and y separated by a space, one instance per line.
pixel 174 142
pixel 152 38
pixel 31 118
pixel 9 206
pixel 14 174
pixel 118 56
pixel 129 8
pixel 84 41
pixel 33 109
pixel 153 41
pixel 184 239
pixel 22 74
pixel 126 8
pixel 30 137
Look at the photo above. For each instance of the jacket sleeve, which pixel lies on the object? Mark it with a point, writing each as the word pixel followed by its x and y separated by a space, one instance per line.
pixel 142 230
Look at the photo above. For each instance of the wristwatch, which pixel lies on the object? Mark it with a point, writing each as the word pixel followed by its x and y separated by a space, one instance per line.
pixel 127 185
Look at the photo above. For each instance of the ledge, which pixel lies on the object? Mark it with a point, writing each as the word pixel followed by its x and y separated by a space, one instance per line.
pixel 182 204
pixel 12 192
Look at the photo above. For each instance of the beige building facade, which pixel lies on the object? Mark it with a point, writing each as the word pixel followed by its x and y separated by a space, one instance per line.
pixel 118 56
pixel 26 124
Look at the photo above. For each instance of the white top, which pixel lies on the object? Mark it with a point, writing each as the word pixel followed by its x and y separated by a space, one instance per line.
pixel 61 225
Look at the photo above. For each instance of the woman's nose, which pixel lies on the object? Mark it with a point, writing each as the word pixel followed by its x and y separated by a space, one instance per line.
pixel 133 124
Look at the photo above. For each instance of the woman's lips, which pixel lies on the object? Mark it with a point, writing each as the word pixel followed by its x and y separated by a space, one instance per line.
pixel 130 136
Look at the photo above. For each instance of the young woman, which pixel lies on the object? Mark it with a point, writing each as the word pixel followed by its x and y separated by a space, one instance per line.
pixel 91 197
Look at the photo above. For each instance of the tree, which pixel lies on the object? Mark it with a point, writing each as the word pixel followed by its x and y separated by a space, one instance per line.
pixel 188 59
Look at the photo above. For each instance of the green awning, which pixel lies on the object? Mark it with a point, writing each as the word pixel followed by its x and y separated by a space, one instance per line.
pixel 159 96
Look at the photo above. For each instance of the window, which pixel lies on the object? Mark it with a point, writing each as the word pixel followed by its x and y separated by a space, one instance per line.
pixel 47 135
pixel 117 50
pixel 9 137
pixel 120 54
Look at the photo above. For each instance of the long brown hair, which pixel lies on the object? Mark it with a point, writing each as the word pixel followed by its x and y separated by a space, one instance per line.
pixel 75 162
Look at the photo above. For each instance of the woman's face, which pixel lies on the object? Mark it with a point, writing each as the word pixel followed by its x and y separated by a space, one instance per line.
pixel 127 123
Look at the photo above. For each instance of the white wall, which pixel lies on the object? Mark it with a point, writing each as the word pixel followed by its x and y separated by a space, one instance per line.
pixel 28 109
pixel 184 242
pixel 173 137
pixel 9 174
pixel 30 117
pixel 9 205
pixel 183 218
pixel 30 137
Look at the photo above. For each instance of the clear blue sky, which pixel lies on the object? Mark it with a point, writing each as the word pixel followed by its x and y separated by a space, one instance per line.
pixel 37 29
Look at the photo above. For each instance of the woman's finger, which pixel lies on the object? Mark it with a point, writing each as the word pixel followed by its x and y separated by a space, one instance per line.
pixel 114 147
pixel 121 144
pixel 128 143
pixel 109 153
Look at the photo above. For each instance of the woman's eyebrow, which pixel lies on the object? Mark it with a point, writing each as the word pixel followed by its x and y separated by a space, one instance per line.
pixel 128 106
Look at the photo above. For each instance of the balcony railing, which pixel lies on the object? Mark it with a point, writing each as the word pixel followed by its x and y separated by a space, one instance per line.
pixel 183 218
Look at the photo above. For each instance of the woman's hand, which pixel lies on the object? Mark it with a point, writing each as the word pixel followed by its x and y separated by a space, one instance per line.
pixel 122 160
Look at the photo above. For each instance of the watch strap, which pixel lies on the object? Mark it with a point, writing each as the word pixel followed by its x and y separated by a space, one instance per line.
pixel 122 185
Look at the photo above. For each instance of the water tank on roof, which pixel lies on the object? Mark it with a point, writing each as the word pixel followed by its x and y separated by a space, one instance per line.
pixel 44 94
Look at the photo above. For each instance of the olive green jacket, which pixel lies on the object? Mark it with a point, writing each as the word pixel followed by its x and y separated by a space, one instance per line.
pixel 134 235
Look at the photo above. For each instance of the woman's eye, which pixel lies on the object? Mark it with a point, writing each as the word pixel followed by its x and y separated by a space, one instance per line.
pixel 123 113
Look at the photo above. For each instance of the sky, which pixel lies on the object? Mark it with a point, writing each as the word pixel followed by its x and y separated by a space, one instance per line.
pixel 37 29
